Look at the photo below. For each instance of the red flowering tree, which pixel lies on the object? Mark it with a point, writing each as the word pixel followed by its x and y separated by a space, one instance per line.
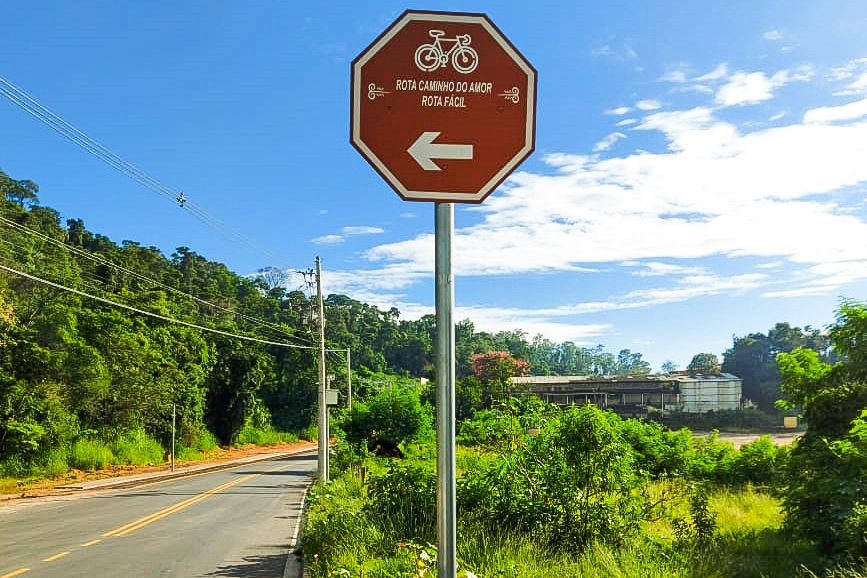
pixel 494 369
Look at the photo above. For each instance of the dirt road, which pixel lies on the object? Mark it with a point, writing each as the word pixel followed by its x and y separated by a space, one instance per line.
pixel 739 439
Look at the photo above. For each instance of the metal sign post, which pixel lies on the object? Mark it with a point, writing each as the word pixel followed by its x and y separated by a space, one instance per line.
pixel 445 392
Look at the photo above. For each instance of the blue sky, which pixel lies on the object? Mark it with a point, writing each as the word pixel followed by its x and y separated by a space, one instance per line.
pixel 700 169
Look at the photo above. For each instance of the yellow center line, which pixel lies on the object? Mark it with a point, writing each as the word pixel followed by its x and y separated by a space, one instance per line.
pixel 141 522
pixel 15 573
pixel 55 557
pixel 91 543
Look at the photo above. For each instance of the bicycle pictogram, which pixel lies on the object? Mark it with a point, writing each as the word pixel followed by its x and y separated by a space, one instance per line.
pixel 464 58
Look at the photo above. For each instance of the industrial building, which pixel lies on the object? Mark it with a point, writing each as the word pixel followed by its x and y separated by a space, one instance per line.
pixel 637 395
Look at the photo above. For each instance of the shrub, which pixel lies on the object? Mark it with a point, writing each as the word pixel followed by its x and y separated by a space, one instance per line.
pixel 658 452
pixel 825 494
pixel 700 527
pixel 759 462
pixel 572 484
pixel 710 459
pixel 491 428
pixel 404 499
pixel 394 416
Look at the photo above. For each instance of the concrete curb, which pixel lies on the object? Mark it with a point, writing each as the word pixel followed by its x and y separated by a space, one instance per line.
pixel 131 481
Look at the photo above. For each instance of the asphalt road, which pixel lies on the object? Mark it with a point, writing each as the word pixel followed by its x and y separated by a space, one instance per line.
pixel 236 523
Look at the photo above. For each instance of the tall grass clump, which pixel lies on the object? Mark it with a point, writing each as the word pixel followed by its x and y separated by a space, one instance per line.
pixel 136 448
pixel 90 454
pixel 336 534
pixel 54 463
pixel 264 436
pixel 402 501
pixel 203 443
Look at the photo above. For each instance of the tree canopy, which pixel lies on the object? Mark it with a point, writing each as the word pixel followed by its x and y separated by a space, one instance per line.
pixel 753 358
pixel 704 363
pixel 826 499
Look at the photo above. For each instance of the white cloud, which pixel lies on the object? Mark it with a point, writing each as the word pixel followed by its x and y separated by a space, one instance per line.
pixel 607 142
pixel 846 71
pixel 532 321
pixel 715 192
pixel 655 269
pixel 804 73
pixel 557 323
pixel 387 279
pixel 328 240
pixel 362 230
pixel 714 189
pixel 721 71
pixel 857 86
pixel 823 279
pixel 675 76
pixel 774 35
pixel 826 114
pixel 802 292
pixel 742 88
pixel 745 88
pixel 619 111
pixel 626 122
pixel 347 231
pixel 648 105
pixel 603 50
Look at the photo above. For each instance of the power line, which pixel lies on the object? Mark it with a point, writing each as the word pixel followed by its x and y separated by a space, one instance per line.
pixel 137 275
pixel 78 137
pixel 154 315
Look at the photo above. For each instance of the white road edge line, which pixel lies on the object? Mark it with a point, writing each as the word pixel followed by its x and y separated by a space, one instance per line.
pixel 293 544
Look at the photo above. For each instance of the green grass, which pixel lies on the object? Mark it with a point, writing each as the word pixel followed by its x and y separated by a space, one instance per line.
pixel 264 437
pixel 90 454
pixel 341 540
pixel 137 448
pixel 132 448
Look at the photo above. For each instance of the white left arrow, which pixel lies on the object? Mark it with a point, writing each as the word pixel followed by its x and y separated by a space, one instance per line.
pixel 424 149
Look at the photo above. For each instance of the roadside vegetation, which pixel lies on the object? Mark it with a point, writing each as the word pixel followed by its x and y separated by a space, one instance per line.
pixel 84 383
pixel 542 490
pixel 580 492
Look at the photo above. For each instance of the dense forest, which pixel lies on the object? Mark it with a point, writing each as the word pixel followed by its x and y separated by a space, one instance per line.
pixel 74 364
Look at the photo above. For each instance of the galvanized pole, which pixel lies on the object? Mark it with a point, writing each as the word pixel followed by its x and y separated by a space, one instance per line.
pixel 173 437
pixel 348 380
pixel 445 393
pixel 323 405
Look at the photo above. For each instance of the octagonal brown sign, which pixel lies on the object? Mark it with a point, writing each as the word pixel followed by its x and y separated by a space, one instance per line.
pixel 443 106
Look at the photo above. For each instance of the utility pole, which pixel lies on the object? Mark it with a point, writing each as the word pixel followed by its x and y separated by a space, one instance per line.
pixel 323 405
pixel 173 431
pixel 348 381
